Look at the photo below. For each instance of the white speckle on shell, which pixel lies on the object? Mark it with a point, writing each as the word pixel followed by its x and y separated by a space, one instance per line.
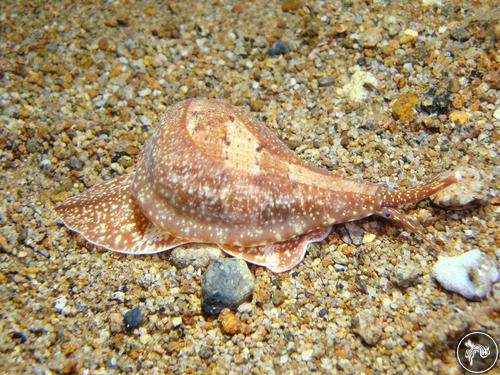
pixel 470 274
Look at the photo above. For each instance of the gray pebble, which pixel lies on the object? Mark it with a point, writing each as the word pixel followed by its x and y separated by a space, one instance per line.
pixel 145 120
pixel 278 297
pixel 460 35
pixel 121 50
pixel 245 307
pixel 75 163
pixel 144 92
pixel 12 111
pixel 326 81
pixel 353 234
pixel 206 352
pixel 367 326
pixel 34 145
pixel 227 283
pixel 339 267
pixel 340 258
pixel 100 100
pixel 279 47
pixel 196 255
pixel 133 318
pixel 405 275
pixel 369 38
pixel 118 296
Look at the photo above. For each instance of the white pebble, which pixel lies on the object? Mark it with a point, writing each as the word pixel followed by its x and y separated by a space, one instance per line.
pixel 60 304
pixel 355 88
pixel 245 307
pixel 307 355
pixel 432 3
pixel 470 274
pixel 177 321
pixel 145 92
pixel 118 296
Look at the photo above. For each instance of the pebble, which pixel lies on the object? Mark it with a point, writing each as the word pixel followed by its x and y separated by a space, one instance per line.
pixel 226 283
pixel 145 120
pixel 115 322
pixel 470 274
pixel 144 92
pixel 340 258
pixel 356 88
pixel 409 36
pixel 433 3
pixel 176 322
pixel 370 38
pixel 291 5
pixel 278 297
pixel 460 34
pixel 307 355
pixel 34 145
pixel 60 304
pixel 19 335
pixel 369 237
pixel 206 352
pixel 279 47
pixel 133 318
pixel 367 326
pixel 103 44
pixel 118 296
pixel 454 85
pixel 245 307
pixel 459 117
pixel 496 114
pixel 326 82
pixel 231 324
pixel 463 192
pixel 436 100
pixel 198 256
pixel 403 107
pixel 354 233
pixel 75 163
pixel 405 275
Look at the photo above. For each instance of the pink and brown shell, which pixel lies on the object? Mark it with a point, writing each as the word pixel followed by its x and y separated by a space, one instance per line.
pixel 211 173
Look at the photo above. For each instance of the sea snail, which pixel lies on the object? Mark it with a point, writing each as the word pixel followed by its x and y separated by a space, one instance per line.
pixel 211 173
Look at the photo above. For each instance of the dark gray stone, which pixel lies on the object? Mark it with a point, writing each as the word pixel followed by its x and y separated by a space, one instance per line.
pixel 227 283
pixel 133 318
pixel 279 47
pixel 436 100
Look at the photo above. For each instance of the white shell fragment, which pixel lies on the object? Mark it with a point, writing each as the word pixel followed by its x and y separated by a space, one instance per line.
pixel 469 188
pixel 470 274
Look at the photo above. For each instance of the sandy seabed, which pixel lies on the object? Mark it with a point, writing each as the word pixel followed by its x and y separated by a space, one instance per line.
pixel 390 91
